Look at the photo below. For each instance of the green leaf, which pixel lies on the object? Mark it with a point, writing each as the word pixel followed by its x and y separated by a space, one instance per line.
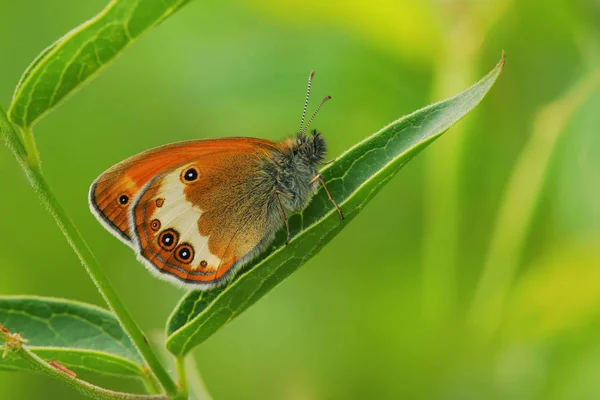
pixel 80 336
pixel 353 179
pixel 79 55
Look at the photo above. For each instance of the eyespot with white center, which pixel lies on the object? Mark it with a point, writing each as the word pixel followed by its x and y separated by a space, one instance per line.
pixel 189 175
pixel 155 225
pixel 168 239
pixel 184 253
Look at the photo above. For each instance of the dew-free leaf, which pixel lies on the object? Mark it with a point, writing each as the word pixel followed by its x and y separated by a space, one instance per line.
pixel 79 55
pixel 80 336
pixel 354 178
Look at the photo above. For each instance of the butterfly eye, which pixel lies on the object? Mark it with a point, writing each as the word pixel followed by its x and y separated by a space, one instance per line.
pixel 189 175
pixel 184 253
pixel 124 199
pixel 168 239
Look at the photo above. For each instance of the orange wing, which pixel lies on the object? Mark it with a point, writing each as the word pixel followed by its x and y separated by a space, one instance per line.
pixel 112 193
pixel 198 222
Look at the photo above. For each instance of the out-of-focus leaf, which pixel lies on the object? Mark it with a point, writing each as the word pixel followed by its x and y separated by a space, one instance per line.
pixel 80 336
pixel 557 295
pixel 76 57
pixel 518 205
pixel 354 178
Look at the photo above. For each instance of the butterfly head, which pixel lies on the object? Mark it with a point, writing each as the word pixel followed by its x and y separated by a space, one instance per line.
pixel 311 147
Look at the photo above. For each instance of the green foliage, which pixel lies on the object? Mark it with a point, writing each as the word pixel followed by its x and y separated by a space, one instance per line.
pixel 76 57
pixel 80 336
pixel 354 178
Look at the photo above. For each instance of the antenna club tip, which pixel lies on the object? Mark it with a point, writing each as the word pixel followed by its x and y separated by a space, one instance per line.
pixel 327 97
pixel 312 75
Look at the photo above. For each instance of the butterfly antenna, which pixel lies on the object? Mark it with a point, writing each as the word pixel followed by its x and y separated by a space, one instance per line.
pixel 310 78
pixel 314 114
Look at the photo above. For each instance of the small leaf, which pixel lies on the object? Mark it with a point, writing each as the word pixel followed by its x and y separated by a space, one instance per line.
pixel 80 336
pixel 79 55
pixel 353 179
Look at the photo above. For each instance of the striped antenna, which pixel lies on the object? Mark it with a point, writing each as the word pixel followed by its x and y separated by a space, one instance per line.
pixel 314 114
pixel 310 78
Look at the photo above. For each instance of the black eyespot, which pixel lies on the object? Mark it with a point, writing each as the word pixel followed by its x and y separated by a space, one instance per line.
pixel 203 264
pixel 190 174
pixel 168 239
pixel 184 253
pixel 124 199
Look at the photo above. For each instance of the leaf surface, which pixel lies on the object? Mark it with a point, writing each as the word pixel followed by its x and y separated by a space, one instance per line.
pixel 81 336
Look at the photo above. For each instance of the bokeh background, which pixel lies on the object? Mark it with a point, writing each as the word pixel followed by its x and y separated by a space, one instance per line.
pixel 430 293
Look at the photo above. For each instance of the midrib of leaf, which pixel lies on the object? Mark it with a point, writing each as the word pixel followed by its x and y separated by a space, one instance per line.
pixel 354 179
pixel 41 87
pixel 78 360
pixel 124 365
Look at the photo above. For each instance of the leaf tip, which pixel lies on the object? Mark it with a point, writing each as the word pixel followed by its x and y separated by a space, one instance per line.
pixel 502 61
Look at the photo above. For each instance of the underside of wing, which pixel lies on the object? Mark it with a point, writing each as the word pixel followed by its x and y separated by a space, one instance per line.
pixel 196 224
pixel 112 194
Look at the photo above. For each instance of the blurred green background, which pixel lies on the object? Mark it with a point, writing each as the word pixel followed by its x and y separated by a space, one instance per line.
pixel 387 310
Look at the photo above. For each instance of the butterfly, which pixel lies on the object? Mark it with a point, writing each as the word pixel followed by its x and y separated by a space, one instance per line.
pixel 196 211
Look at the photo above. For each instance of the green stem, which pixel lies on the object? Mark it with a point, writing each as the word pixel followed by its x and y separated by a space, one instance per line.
pixel 194 384
pixel 182 376
pixel 82 250
pixel 517 209
pixel 33 155
pixel 81 386
pixel 151 384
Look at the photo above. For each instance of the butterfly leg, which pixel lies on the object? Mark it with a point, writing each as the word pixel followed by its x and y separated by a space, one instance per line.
pixel 320 178
pixel 283 214
pixel 329 162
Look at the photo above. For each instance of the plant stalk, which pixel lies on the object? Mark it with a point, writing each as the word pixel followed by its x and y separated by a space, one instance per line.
pixel 182 377
pixel 33 155
pixel 151 383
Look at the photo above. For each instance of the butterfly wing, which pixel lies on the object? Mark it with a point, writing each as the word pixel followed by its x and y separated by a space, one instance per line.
pixel 112 194
pixel 199 222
